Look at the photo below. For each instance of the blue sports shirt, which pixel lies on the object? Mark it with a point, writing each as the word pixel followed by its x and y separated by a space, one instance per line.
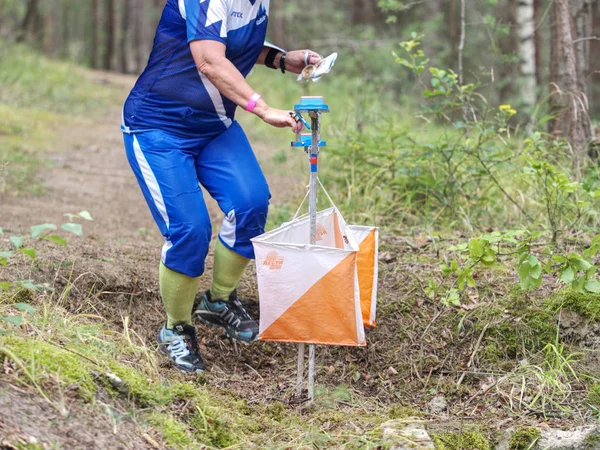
pixel 171 94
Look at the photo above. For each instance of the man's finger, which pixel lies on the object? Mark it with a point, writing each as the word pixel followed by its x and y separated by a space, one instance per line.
pixel 314 58
pixel 297 126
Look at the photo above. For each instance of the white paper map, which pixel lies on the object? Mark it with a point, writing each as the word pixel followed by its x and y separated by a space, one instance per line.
pixel 315 73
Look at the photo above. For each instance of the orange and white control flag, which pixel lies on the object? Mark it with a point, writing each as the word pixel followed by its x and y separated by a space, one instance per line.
pixel 311 293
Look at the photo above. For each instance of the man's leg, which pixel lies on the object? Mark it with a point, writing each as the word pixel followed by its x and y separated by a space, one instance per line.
pixel 166 172
pixel 228 268
pixel 230 172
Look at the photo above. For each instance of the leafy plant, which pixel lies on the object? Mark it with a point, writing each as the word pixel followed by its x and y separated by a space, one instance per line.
pixel 515 248
pixel 43 231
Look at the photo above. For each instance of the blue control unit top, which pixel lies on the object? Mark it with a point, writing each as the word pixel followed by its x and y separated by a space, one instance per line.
pixel 308 104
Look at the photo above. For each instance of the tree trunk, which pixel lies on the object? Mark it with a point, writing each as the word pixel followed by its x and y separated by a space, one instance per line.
pixel 109 43
pixel 138 37
pixel 96 27
pixel 31 19
pixel 508 47
pixel 123 48
pixel 280 25
pixel 575 113
pixel 555 127
pixel 537 42
pixel 583 31
pixel 595 64
pixel 453 32
pixel 461 42
pixel 525 23
pixel 355 12
pixel 49 44
pixel 64 36
pixel 433 42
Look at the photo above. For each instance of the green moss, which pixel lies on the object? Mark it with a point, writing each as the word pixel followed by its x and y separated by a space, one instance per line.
pixel 43 360
pixel 29 446
pixel 276 410
pixel 214 429
pixel 472 440
pixel 591 441
pixel 403 412
pixel 174 433
pixel 524 438
pixel 491 352
pixel 520 323
pixel 215 418
pixel 139 387
pixel 586 304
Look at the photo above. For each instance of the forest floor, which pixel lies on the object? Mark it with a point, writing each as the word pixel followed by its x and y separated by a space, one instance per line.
pixel 461 371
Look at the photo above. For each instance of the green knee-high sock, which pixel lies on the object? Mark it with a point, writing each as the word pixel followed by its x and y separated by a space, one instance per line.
pixel 228 268
pixel 178 292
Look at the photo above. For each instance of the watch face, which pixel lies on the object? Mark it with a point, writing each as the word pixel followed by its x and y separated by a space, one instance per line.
pixel 308 72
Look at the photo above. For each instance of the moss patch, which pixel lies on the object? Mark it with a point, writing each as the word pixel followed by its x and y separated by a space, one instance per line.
pixel 139 388
pixel 173 432
pixel 592 441
pixel 45 361
pixel 585 304
pixel 521 324
pixel 472 440
pixel 524 438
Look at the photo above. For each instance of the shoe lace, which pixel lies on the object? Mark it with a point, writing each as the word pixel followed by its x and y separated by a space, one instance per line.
pixel 230 315
pixel 179 347
pixel 234 313
pixel 185 343
pixel 239 310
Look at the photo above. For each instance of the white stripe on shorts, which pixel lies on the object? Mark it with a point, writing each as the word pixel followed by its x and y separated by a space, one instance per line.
pixel 150 180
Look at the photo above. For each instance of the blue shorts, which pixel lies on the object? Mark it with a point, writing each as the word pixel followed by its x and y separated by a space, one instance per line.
pixel 170 170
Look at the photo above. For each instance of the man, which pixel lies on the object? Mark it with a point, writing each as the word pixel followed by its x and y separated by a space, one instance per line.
pixel 179 132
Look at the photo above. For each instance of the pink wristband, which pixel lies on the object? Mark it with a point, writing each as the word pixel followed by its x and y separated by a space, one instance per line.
pixel 253 101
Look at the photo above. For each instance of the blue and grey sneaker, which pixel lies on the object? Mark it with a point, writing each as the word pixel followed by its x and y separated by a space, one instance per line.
pixel 180 344
pixel 230 315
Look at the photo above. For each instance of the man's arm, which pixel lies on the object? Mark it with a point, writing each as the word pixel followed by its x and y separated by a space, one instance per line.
pixel 211 61
pixel 295 61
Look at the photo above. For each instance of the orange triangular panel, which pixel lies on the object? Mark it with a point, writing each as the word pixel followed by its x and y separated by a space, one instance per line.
pixel 339 243
pixel 325 314
pixel 366 276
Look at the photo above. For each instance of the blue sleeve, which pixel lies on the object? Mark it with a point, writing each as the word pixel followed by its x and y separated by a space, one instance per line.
pixel 207 19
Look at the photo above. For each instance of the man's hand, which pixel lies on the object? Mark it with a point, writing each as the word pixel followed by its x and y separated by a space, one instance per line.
pixel 297 60
pixel 278 118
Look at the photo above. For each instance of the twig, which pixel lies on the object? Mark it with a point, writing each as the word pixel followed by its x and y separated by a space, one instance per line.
pixel 72 351
pixel 438 314
pixel 150 441
pixel 475 350
pixel 589 38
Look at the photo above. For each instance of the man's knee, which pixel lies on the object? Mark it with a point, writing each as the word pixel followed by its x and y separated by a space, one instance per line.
pixel 188 246
pixel 255 200
pixel 244 222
